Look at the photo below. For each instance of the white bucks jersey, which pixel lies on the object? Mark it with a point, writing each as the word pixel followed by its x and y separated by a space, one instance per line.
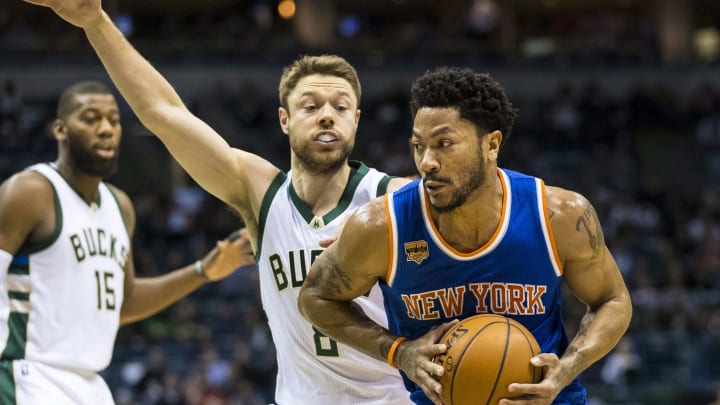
pixel 312 368
pixel 64 294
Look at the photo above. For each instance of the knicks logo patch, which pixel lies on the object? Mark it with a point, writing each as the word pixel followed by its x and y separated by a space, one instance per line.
pixel 416 251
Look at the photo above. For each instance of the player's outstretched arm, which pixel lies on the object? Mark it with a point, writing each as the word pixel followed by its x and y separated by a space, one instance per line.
pixel 150 295
pixel 221 170
pixel 592 275
pixel 147 296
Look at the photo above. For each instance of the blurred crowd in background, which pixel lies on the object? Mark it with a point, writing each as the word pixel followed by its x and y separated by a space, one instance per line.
pixel 647 156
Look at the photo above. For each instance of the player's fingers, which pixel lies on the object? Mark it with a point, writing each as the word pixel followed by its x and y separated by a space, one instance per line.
pixel 530 389
pixel 431 368
pixel 433 350
pixel 545 359
pixel 429 384
pixel 325 243
pixel 440 330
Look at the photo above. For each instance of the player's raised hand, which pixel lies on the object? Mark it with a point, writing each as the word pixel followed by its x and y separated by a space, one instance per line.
pixel 229 255
pixel 80 13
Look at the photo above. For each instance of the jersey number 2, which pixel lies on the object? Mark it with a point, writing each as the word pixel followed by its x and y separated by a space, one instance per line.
pixel 105 292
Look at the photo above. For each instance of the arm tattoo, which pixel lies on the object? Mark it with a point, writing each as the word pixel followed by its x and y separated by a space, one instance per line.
pixel 591 224
pixel 329 276
pixel 550 213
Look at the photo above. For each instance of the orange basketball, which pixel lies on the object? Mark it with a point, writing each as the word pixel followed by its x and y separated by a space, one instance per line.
pixel 486 353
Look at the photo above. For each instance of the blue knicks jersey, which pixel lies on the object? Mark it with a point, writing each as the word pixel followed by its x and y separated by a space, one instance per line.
pixel 517 273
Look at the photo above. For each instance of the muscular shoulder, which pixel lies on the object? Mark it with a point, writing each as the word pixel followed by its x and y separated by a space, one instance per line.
pixel 26 204
pixel 26 191
pixel 126 208
pixel 575 225
pixel 364 238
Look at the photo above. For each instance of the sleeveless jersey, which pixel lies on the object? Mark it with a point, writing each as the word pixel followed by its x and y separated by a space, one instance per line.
pixel 517 273
pixel 61 298
pixel 312 368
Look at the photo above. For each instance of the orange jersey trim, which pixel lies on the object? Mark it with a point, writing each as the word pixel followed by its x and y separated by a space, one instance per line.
pixel 391 242
pixel 489 243
pixel 551 237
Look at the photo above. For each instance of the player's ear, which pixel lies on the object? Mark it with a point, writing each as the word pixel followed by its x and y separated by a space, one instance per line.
pixel 59 129
pixel 494 139
pixel 284 116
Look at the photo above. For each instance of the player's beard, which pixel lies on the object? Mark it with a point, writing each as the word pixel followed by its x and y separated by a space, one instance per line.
pixel 84 159
pixel 319 163
pixel 474 178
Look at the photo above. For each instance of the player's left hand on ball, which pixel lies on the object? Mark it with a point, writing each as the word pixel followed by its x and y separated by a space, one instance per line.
pixel 229 255
pixel 544 392
pixel 414 357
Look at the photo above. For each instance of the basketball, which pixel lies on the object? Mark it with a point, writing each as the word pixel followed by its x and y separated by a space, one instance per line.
pixel 486 353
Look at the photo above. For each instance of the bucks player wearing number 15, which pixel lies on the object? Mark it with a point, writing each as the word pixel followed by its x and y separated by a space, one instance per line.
pixel 67 279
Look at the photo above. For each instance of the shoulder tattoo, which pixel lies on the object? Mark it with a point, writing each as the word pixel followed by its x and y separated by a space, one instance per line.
pixel 588 222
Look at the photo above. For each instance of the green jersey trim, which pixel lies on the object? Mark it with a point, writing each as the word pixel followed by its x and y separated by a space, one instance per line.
pixel 383 186
pixel 33 247
pixel 358 171
pixel 265 208
pixel 7 383
pixel 17 336
pixel 97 201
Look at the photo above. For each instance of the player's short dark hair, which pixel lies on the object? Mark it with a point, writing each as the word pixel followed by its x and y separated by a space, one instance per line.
pixel 478 97
pixel 68 102
pixel 330 65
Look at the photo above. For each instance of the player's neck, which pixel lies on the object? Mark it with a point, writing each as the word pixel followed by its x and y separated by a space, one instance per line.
pixel 473 224
pixel 85 186
pixel 320 192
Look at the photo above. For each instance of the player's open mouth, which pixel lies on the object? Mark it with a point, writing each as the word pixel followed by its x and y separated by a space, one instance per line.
pixel 326 137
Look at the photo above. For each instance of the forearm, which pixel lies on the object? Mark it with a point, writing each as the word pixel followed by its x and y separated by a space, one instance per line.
pixel 598 333
pixel 151 295
pixel 203 153
pixel 345 322
pixel 141 85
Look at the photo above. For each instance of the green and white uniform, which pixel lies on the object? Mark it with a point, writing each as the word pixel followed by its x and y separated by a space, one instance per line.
pixel 60 302
pixel 312 368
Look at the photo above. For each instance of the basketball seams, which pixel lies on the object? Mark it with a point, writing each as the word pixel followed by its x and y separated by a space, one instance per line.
pixel 487 330
pixel 468 345
pixel 502 362
pixel 532 349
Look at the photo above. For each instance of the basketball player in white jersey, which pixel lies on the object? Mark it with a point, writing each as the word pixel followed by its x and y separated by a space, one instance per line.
pixel 67 279
pixel 287 214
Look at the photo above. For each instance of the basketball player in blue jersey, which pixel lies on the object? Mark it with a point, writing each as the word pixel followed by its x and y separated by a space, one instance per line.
pixel 467 238
pixel 287 214
pixel 67 279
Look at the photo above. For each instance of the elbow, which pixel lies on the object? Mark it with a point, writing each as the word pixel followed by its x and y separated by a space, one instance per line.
pixel 628 310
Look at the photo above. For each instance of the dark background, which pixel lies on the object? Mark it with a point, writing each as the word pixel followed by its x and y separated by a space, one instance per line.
pixel 619 100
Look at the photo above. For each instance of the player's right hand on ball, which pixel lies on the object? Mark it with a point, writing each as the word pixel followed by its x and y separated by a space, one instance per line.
pixel 414 358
